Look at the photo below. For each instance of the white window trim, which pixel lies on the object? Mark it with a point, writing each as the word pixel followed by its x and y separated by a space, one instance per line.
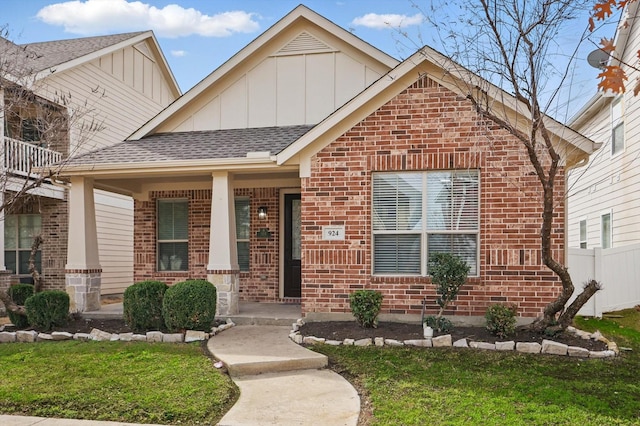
pixel 244 240
pixel 424 231
pixel 159 241
pixel 586 232
pixel 615 123
pixel 602 214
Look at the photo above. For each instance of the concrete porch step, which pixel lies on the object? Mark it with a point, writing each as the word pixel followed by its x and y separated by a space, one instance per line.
pixel 250 350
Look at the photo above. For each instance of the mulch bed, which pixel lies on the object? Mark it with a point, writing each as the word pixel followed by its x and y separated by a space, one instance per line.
pixel 340 330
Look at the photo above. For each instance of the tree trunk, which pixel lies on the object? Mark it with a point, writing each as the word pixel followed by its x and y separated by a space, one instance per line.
pixel 10 305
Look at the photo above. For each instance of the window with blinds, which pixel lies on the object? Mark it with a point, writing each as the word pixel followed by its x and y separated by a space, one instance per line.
pixel 415 214
pixel 173 235
pixel 242 207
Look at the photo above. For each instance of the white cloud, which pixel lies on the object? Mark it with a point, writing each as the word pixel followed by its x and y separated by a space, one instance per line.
pixel 178 53
pixel 101 16
pixel 383 21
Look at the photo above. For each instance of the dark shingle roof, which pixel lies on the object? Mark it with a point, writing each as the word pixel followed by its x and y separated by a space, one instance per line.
pixel 207 144
pixel 48 54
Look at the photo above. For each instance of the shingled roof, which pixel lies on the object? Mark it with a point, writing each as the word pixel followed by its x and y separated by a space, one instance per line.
pixel 208 144
pixel 48 54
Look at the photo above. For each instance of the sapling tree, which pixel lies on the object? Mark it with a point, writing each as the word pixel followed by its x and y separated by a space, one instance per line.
pixel 448 273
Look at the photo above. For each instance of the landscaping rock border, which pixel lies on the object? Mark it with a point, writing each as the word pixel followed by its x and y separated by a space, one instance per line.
pixel 31 336
pixel 547 347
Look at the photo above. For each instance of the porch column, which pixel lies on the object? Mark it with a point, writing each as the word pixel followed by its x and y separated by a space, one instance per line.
pixel 83 271
pixel 223 270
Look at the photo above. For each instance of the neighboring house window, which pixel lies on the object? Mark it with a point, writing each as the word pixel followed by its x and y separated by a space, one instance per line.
pixel 19 231
pixel 173 235
pixel 605 230
pixel 419 213
pixel 617 126
pixel 583 234
pixel 243 223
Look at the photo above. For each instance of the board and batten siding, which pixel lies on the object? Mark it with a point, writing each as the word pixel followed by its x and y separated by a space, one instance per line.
pixel 120 105
pixel 114 223
pixel 609 182
pixel 301 80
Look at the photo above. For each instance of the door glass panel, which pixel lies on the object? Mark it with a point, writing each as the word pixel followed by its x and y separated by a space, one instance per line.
pixel 295 230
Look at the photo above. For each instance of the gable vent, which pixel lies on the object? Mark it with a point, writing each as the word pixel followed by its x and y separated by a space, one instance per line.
pixel 304 42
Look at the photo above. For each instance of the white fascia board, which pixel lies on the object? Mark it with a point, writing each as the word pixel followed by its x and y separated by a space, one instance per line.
pixel 91 56
pixel 451 76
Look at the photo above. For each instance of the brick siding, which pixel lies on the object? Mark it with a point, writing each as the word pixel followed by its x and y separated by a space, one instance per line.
pixel 427 127
pixel 260 284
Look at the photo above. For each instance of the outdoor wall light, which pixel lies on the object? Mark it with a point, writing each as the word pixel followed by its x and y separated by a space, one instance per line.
pixel 262 212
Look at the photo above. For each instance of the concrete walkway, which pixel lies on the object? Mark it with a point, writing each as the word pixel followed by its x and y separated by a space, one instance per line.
pixel 281 383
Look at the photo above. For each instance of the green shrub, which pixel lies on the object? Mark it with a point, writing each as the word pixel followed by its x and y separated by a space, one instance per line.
pixel 19 293
pixel 189 305
pixel 142 305
pixel 365 306
pixel 47 309
pixel 439 324
pixel 448 272
pixel 501 319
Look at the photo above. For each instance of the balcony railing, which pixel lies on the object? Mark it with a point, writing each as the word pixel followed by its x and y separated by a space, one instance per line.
pixel 21 158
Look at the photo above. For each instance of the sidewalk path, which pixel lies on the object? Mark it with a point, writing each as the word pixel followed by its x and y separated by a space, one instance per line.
pixel 282 383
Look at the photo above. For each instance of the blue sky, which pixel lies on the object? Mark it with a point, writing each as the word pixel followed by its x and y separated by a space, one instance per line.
pixel 197 36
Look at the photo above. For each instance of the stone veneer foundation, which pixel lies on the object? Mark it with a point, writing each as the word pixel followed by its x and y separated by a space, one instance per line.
pixel 228 291
pixel 83 287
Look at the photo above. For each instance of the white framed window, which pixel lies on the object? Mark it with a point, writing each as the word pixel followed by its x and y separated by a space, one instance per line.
pixel 583 233
pixel 173 235
pixel 415 214
pixel 617 126
pixel 19 231
pixel 606 227
pixel 243 231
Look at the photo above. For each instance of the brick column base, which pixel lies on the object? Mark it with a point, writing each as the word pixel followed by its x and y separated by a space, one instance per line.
pixel 228 291
pixel 83 287
pixel 6 277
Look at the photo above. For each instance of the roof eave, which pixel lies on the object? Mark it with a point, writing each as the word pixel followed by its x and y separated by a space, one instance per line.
pixel 185 167
pixel 422 60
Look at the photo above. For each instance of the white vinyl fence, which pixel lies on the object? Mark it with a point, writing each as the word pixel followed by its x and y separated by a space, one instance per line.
pixel 618 271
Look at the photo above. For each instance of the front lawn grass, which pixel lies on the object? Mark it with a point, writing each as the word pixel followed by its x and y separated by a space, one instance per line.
pixel 437 386
pixel 125 382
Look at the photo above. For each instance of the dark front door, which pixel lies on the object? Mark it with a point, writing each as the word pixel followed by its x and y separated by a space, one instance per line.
pixel 292 245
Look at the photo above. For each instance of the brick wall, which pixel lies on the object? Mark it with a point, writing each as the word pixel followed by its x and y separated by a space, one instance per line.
pixel 259 284
pixel 426 127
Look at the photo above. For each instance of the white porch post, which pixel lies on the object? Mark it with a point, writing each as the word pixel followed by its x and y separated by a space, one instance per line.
pixel 83 271
pixel 223 270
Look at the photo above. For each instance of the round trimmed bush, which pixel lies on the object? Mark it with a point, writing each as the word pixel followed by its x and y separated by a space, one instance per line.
pixel 142 305
pixel 365 306
pixel 19 293
pixel 47 309
pixel 189 305
pixel 501 319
